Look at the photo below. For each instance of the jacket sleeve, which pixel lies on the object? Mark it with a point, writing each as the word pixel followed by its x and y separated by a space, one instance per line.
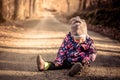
pixel 61 56
pixel 92 51
pixel 90 54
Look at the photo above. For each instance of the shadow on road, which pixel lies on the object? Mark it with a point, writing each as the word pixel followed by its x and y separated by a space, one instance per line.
pixel 109 50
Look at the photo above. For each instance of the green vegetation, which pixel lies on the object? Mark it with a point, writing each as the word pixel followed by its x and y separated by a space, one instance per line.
pixel 105 17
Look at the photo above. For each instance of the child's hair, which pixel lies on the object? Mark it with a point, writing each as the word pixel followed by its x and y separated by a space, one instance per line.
pixel 78 26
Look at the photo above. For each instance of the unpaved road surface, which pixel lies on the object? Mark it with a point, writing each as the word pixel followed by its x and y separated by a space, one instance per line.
pixel 19 47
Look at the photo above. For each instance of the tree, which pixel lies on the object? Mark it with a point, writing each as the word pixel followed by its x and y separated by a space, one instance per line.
pixel 68 5
pixel 19 9
pixel 1 15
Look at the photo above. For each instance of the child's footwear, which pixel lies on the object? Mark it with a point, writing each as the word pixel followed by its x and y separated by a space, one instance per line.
pixel 40 63
pixel 75 69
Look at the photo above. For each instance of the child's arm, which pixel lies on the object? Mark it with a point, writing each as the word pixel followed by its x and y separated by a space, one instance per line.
pixel 91 52
pixel 62 52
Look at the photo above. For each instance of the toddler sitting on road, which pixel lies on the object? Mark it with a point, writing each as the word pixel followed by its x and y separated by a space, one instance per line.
pixel 76 50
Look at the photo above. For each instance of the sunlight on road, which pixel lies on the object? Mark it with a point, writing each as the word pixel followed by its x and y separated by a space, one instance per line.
pixel 19 48
pixel 44 37
pixel 19 73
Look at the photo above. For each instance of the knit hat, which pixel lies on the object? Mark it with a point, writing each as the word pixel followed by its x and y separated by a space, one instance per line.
pixel 78 26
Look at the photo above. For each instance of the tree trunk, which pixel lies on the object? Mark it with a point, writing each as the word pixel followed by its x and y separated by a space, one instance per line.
pixel 19 9
pixel 5 9
pixel 68 5
pixel 1 8
pixel 31 8
pixel 26 10
pixel 81 4
pixel 36 7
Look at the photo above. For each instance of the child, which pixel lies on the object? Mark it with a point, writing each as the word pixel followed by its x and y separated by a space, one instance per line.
pixel 76 50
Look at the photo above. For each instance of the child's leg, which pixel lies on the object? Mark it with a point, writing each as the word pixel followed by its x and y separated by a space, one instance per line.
pixel 52 66
pixel 43 65
pixel 77 67
pixel 40 63
pixel 66 65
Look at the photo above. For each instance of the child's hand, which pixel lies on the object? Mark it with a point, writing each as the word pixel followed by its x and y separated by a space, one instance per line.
pixel 93 57
pixel 85 60
pixel 56 64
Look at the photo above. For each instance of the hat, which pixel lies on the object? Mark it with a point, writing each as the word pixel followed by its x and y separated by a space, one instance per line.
pixel 78 26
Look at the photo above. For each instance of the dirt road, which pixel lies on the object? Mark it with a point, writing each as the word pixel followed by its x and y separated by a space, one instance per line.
pixel 19 47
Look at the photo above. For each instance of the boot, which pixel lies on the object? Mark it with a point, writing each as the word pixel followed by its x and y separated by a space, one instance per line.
pixel 40 63
pixel 77 67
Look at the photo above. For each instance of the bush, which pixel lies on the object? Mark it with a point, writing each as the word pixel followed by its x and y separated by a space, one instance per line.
pixel 105 17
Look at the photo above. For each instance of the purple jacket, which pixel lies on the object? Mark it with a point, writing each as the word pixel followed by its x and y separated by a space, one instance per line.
pixel 75 52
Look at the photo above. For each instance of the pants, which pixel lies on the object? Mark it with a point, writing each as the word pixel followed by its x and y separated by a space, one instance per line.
pixel 66 65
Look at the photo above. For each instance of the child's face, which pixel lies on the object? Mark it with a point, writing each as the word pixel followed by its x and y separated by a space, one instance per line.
pixel 78 39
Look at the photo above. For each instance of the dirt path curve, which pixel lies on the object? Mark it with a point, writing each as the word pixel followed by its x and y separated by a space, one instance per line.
pixel 20 46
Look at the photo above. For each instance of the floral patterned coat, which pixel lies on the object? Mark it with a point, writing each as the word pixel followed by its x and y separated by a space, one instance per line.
pixel 75 52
